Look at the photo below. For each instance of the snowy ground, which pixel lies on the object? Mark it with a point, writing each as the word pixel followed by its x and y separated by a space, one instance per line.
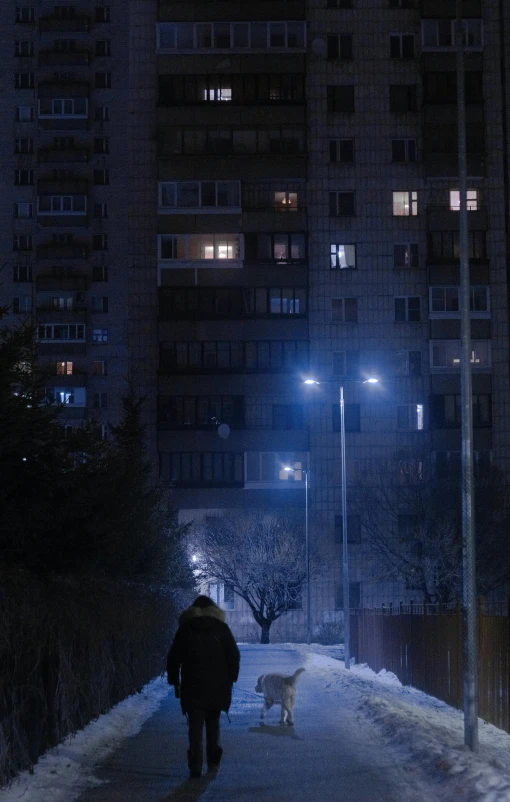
pixel 405 727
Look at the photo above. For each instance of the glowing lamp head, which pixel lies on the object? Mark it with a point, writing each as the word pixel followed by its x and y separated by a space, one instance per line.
pixel 372 380
pixel 288 468
pixel 310 381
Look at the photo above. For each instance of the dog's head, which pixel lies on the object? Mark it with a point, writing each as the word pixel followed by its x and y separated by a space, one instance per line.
pixel 258 686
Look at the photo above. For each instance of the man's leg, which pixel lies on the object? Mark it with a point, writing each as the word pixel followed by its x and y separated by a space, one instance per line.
pixel 212 734
pixel 195 731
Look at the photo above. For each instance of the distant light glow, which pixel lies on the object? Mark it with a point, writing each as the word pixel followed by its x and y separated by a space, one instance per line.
pixel 194 558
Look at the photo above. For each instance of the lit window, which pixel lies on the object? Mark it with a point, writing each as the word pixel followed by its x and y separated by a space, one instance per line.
pixel 64 368
pixel 342 256
pixel 471 198
pixel 405 204
pixel 285 201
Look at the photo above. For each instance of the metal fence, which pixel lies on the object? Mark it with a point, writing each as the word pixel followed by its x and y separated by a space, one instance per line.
pixel 422 645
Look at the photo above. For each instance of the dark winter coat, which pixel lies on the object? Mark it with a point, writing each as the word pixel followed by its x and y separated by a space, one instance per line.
pixel 205 652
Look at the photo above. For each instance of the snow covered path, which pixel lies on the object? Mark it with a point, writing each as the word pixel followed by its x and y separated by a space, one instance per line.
pixel 357 736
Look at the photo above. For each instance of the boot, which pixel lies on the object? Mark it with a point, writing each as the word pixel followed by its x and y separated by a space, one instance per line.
pixel 194 772
pixel 214 759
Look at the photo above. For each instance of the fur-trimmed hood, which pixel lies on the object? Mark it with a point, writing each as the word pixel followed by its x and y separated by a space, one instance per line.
pixel 193 613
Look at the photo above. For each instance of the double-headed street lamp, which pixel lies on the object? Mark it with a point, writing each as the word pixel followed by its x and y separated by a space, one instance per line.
pixel 345 551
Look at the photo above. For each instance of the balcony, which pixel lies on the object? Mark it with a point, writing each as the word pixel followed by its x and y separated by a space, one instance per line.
pixel 446 165
pixel 57 252
pixel 56 156
pixel 55 24
pixel 442 218
pixel 48 314
pixel 50 283
pixel 73 58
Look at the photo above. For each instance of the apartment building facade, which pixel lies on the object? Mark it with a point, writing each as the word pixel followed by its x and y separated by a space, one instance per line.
pixel 271 192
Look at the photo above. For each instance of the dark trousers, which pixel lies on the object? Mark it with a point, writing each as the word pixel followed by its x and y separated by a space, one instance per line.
pixel 196 721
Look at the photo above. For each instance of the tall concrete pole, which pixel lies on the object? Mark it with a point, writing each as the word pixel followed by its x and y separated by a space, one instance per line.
pixel 469 611
pixel 345 551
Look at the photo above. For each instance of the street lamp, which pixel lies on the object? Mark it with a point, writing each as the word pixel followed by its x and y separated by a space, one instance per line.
pixel 307 556
pixel 345 551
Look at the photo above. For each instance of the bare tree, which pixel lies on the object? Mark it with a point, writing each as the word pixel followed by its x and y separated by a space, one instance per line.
pixel 262 557
pixel 412 529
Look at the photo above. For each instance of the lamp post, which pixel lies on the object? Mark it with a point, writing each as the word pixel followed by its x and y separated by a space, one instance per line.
pixel 307 558
pixel 345 550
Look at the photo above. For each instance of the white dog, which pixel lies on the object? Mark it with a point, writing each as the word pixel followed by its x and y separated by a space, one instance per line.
pixel 281 690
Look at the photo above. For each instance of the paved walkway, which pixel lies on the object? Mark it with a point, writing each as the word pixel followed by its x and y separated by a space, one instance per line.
pixel 330 755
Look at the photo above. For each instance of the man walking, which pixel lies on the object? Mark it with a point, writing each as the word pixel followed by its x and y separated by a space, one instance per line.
pixel 205 654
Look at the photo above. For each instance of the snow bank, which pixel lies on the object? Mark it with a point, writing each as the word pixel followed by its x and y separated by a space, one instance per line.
pixel 425 731
pixel 63 773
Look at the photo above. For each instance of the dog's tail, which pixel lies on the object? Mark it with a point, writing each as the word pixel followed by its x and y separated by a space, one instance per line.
pixel 294 678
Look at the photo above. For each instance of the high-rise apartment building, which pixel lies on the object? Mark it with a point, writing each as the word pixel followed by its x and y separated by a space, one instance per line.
pixel 263 192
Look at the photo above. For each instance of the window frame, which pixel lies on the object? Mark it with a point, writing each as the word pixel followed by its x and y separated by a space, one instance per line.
pixel 402 39
pixel 445 48
pixel 455 348
pixel 343 306
pixel 409 301
pixel 198 29
pixel 413 255
pixel 200 208
pixel 335 259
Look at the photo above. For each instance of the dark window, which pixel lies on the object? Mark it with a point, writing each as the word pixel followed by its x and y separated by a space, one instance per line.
pixel 288 416
pixel 103 48
pixel 102 13
pixel 282 248
pixel 340 46
pixel 100 210
pixel 201 412
pixel 23 178
pixel 103 80
pixel 203 469
pixel 407 309
pixel 353 529
pixel 100 242
pixel 406 254
pixel 22 242
pixel 24 80
pixel 101 114
pixel 101 177
pixel 339 3
pixel 101 144
pixel 99 273
pixel 25 14
pixel 354 596
pixel 403 150
pixel 341 204
pixel 100 400
pixel 22 273
pixel 446 413
pixel 403 97
pixel 351 415
pixel 257 356
pixel 441 87
pixel 346 363
pixel 401 45
pixel 341 150
pixel 340 98
pixel 444 245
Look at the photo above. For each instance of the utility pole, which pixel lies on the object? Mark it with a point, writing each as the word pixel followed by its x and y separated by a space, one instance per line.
pixel 469 611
